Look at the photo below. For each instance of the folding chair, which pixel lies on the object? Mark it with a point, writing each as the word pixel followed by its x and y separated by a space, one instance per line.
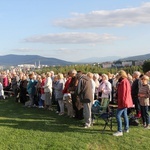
pixel 99 109
pixel 107 117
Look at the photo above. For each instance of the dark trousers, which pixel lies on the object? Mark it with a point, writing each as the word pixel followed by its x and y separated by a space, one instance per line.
pixel 137 104
pixel 145 115
pixel 78 113
pixel 57 106
pixel 23 97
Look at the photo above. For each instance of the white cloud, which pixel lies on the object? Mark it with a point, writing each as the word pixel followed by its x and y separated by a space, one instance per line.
pixel 72 38
pixel 112 18
pixel 24 50
pixel 64 50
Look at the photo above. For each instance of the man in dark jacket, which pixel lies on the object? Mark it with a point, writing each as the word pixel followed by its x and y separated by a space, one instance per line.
pixel 84 91
pixel 134 92
pixel 72 90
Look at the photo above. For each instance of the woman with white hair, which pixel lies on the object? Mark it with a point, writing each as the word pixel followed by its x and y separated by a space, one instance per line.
pixel 104 90
pixel 90 75
pixel 48 91
pixel 1 91
pixel 134 92
pixel 95 78
pixel 59 92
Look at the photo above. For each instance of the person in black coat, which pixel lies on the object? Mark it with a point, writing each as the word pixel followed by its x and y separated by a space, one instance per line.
pixel 23 90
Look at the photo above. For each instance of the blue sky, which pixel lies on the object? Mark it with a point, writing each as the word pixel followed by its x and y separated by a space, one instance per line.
pixel 73 30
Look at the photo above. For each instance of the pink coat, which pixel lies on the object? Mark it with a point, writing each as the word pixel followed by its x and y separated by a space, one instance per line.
pixel 124 94
pixel 5 82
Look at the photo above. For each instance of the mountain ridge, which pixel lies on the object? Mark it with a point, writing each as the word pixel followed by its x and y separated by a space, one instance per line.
pixel 115 58
pixel 137 57
pixel 12 59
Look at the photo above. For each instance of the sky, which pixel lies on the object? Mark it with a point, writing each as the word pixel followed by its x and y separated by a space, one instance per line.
pixel 73 30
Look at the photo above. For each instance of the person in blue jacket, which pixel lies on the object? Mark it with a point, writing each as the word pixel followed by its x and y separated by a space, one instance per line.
pixel 31 89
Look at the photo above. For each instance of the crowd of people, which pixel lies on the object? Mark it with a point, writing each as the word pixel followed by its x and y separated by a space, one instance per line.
pixel 74 93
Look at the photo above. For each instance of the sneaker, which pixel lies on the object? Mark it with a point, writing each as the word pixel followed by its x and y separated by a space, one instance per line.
pixel 87 126
pixel 147 127
pixel 41 107
pixel 144 124
pixel 126 131
pixel 118 134
pixel 60 114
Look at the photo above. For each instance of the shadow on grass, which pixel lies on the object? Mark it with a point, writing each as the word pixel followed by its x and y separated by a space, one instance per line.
pixel 13 115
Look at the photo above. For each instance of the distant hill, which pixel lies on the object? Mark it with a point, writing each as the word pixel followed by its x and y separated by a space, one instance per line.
pixel 114 58
pixel 30 59
pixel 139 57
pixel 99 59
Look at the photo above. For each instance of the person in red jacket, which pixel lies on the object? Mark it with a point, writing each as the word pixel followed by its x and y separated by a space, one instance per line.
pixel 42 100
pixel 124 101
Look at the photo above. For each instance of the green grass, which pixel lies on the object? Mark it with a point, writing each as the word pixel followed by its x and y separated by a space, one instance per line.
pixel 38 129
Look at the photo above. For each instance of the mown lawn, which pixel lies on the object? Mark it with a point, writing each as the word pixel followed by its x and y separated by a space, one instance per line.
pixel 38 129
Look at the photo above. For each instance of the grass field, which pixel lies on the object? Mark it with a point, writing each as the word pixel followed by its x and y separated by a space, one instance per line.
pixel 38 129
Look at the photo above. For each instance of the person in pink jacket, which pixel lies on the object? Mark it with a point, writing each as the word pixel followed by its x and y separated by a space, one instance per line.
pixel 124 101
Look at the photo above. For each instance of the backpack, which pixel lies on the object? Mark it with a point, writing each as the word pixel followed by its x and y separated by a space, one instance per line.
pixel 96 107
pixel 133 121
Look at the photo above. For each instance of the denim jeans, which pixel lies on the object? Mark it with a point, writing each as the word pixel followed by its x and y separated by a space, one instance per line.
pixel 122 112
pixel 137 104
pixel 31 97
pixel 145 115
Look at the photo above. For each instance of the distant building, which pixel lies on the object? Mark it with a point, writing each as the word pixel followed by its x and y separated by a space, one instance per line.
pixel 107 64
pixel 27 66
pixel 138 63
pixel 126 63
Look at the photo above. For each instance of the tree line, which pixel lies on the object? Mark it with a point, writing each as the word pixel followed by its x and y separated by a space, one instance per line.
pixel 95 68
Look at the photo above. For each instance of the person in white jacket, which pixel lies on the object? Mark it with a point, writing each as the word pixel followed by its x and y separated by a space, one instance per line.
pixel 1 91
pixel 48 91
pixel 105 90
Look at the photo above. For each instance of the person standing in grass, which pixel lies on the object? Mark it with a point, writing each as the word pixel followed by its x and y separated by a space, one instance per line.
pixel 48 91
pixel 42 99
pixel 144 95
pixel 14 81
pixel 124 101
pixel 72 90
pixel 1 91
pixel 134 92
pixel 105 90
pixel 23 89
pixel 90 75
pixel 31 89
pixel 59 92
pixel 95 78
pixel 84 90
